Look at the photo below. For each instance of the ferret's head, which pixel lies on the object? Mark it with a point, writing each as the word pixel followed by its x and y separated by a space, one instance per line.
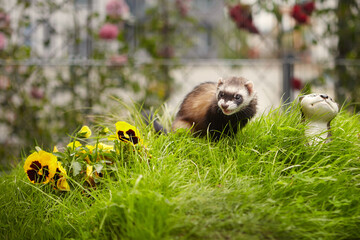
pixel 318 107
pixel 233 94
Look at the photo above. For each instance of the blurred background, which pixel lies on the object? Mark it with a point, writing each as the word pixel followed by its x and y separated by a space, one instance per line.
pixel 63 61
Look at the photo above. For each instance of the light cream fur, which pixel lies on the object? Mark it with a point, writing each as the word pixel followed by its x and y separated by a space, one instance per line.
pixel 232 106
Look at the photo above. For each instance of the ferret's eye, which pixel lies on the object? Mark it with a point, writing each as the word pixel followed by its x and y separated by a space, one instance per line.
pixel 238 97
pixel 221 94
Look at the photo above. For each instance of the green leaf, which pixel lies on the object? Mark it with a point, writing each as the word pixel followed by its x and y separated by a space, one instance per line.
pixel 76 166
pixel 98 167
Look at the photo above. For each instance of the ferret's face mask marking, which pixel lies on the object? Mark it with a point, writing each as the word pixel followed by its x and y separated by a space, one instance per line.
pixel 318 107
pixel 232 98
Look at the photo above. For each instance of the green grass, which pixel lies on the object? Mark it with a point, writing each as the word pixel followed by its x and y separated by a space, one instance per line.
pixel 267 183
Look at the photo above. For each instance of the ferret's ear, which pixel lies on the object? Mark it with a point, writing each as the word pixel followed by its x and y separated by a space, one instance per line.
pixel 220 81
pixel 250 87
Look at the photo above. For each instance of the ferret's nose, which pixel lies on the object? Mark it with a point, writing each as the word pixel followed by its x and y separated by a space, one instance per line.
pixel 324 96
pixel 224 106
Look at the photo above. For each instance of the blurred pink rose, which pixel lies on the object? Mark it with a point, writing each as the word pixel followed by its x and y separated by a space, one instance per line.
pixel 4 20
pixel 4 82
pixel 108 31
pixel 117 8
pixel 2 41
pixel 37 93
pixel 10 116
pixel 119 60
pixel 183 6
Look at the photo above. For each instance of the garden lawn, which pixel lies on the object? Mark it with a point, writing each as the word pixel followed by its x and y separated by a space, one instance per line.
pixel 267 183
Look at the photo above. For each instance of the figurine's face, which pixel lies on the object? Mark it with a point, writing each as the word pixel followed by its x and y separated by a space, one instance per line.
pixel 318 107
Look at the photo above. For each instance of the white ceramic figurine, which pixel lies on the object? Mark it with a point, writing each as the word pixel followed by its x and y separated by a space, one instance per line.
pixel 318 110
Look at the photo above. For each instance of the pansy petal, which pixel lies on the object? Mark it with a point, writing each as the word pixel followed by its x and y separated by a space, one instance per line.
pixel 106 130
pixel 89 170
pixel 62 184
pixel 74 144
pixel 55 149
pixel 85 132
pixel 90 147
pixel 106 147
pixel 61 169
pixel 112 138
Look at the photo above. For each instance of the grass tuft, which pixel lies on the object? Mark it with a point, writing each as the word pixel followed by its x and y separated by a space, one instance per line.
pixel 267 183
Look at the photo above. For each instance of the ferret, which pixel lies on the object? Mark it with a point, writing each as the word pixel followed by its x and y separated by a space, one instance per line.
pixel 217 108
pixel 318 110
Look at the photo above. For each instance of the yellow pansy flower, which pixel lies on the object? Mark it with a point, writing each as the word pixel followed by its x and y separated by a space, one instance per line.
pixel 90 147
pixel 84 132
pixel 62 184
pixel 40 167
pixel 105 147
pixel 105 130
pixel 60 178
pixel 127 133
pixel 100 147
pixel 89 176
pixel 74 144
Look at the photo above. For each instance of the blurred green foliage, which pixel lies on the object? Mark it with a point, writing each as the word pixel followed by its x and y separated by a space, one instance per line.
pixel 41 99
